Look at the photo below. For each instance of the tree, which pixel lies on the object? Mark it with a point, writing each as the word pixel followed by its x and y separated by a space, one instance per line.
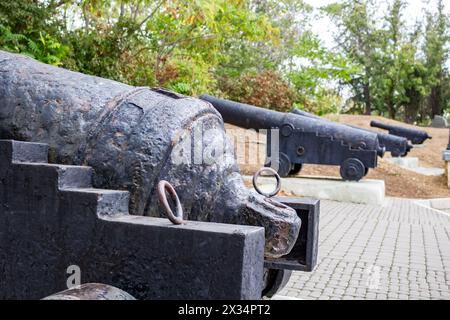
pixel 387 82
pixel 33 28
pixel 356 37
pixel 436 55
pixel 412 74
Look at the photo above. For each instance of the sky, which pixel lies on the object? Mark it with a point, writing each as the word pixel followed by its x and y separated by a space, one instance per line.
pixel 323 27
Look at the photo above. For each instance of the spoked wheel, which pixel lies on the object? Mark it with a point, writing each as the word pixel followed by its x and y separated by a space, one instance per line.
pixel 296 168
pixel 283 167
pixel 352 170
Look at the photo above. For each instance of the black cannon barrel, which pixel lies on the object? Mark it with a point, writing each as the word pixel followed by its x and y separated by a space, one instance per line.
pixel 398 146
pixel 251 117
pixel 381 125
pixel 413 135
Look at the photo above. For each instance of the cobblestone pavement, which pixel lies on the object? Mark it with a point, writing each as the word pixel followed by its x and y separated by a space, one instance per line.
pixel 397 251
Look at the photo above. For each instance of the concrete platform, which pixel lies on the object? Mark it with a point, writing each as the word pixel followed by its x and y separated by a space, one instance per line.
pixel 406 162
pixel 429 171
pixel 412 163
pixel 366 191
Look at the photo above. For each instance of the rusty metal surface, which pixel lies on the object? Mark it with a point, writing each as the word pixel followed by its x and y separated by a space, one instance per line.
pixel 132 137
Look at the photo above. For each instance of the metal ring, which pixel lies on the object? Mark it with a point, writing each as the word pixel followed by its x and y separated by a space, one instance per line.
pixel 163 187
pixel 275 174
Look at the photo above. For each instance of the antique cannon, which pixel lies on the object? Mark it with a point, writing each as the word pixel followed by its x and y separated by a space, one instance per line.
pixel 305 140
pixel 134 137
pixel 397 146
pixel 413 135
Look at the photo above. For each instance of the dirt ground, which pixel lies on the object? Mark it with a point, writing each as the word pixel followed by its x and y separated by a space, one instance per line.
pixel 399 182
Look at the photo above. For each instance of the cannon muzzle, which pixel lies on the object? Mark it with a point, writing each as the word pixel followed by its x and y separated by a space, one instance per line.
pixel 381 151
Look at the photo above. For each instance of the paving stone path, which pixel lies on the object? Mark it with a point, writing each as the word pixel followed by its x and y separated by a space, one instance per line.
pixel 396 251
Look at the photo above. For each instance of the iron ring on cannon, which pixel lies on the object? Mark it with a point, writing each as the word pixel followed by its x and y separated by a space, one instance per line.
pixel 163 187
pixel 275 174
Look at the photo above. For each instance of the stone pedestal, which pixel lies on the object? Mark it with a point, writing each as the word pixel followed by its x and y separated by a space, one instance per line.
pixel 446 158
pixel 405 162
pixel 439 122
pixel 412 163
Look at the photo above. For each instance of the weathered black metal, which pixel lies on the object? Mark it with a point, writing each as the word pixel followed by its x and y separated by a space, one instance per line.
pixel 133 138
pixel 397 146
pixel 413 135
pixel 275 281
pixel 303 256
pixel 306 140
pixel 54 225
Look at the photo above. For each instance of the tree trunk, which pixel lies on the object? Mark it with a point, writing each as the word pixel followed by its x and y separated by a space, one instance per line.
pixel 411 113
pixel 434 101
pixel 391 111
pixel 413 110
pixel 390 103
pixel 367 100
